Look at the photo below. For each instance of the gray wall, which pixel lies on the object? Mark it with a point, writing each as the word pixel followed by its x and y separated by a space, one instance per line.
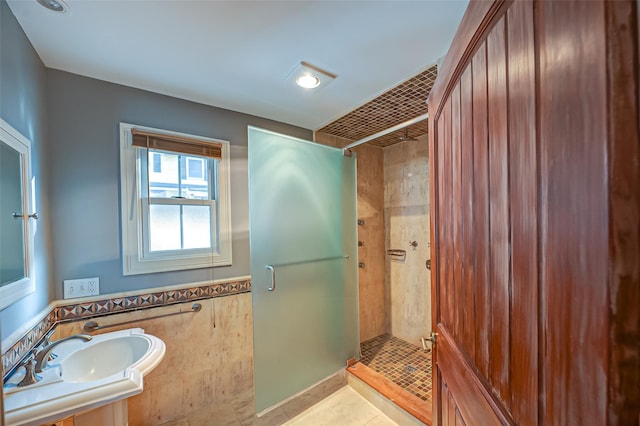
pixel 23 106
pixel 72 122
pixel 84 115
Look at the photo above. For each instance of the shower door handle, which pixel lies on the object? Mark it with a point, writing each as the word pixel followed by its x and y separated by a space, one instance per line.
pixel 273 278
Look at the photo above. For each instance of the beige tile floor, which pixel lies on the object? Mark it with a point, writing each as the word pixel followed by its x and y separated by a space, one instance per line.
pixel 344 407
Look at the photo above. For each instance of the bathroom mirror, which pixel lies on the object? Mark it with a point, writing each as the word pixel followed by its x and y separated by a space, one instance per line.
pixel 16 216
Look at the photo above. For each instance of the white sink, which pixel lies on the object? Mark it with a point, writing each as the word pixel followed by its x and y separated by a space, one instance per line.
pixel 85 375
pixel 99 360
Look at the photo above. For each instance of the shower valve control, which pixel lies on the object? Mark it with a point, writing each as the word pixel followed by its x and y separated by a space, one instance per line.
pixel 413 244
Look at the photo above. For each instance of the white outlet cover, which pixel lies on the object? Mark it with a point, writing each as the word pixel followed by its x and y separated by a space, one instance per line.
pixel 81 287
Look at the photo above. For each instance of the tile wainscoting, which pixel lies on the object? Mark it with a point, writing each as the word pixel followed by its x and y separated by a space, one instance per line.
pixel 135 302
pixel 208 362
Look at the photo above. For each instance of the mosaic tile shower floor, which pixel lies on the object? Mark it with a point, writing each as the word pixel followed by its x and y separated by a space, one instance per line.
pixel 407 365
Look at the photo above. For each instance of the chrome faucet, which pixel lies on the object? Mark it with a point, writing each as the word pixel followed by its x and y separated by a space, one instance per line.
pixel 42 357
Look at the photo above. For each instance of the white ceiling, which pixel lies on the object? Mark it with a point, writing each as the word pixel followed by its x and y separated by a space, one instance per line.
pixel 236 54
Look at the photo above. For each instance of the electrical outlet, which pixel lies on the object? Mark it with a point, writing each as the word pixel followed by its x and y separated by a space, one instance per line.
pixel 81 287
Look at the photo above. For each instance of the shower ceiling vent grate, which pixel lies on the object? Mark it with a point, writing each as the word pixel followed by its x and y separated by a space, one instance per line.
pixel 404 102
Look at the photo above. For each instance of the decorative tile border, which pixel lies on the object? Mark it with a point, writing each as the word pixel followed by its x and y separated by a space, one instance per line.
pixel 90 309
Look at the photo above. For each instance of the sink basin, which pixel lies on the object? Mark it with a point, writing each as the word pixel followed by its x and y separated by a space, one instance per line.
pixel 104 358
pixel 84 376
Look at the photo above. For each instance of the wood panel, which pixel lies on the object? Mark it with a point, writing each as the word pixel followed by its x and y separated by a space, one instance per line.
pixel 624 211
pixel 537 168
pixel 466 212
pixel 458 304
pixel 574 211
pixel 523 202
pixel 448 309
pixel 469 395
pixel 481 192
pixel 499 273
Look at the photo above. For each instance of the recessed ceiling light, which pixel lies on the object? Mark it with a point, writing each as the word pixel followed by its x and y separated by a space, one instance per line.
pixel 309 76
pixel 308 81
pixel 54 5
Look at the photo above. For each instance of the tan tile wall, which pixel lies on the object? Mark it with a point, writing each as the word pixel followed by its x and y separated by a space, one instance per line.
pixel 209 357
pixel 406 213
pixel 374 314
pixel 374 319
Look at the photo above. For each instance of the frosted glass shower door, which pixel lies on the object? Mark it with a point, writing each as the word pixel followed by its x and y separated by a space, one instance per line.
pixel 302 199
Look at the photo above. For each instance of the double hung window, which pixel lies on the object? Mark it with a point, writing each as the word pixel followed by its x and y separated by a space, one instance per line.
pixel 175 201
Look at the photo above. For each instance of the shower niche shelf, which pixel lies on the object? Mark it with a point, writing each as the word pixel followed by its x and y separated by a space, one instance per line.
pixel 397 254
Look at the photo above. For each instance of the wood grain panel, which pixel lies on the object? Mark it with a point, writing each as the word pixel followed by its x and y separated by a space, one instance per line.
pixel 459 419
pixel 452 415
pixel 477 21
pixel 574 211
pixel 471 397
pixel 447 198
pixel 459 301
pixel 441 237
pixel 446 403
pixel 523 197
pixel 554 145
pixel 481 192
pixel 466 212
pixel 624 211
pixel 499 205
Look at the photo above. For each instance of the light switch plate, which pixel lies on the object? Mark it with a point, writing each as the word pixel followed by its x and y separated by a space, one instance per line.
pixel 81 287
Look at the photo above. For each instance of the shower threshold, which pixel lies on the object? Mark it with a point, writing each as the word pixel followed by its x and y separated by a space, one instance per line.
pixel 399 371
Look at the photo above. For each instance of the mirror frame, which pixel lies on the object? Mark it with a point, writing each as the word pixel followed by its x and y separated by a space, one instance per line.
pixel 16 290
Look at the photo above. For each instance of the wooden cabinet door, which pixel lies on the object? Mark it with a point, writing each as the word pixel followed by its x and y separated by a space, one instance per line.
pixel 534 205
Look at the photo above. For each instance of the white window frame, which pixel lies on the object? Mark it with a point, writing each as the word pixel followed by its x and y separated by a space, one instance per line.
pixel 135 259
pixel 11 293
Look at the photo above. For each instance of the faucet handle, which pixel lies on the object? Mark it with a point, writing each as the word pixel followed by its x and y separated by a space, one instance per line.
pixel 30 376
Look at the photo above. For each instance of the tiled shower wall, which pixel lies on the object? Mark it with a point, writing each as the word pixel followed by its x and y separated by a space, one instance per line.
pixel 406 216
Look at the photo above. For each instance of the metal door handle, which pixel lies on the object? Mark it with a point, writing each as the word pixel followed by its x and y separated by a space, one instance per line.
pixel 273 278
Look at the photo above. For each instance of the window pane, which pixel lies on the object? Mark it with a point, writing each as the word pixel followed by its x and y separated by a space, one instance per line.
pixel 195 168
pixel 195 184
pixel 164 227
pixel 163 183
pixel 196 226
pixel 157 162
